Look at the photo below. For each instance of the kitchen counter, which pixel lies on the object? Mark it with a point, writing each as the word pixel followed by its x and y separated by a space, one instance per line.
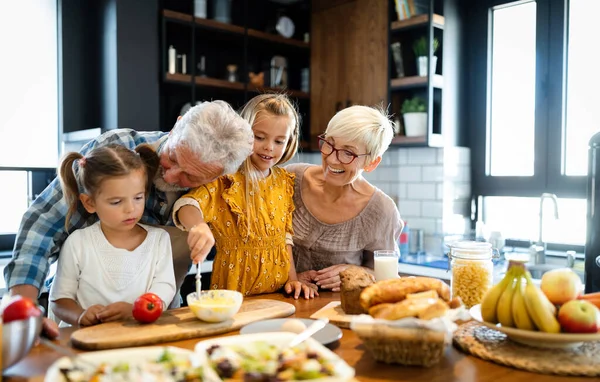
pixel 456 366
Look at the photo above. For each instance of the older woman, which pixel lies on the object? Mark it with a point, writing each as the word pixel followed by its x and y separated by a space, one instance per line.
pixel 341 218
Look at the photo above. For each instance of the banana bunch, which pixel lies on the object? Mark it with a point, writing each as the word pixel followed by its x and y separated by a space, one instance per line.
pixel 517 302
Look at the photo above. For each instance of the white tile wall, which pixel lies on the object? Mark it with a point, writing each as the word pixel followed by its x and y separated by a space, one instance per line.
pixel 432 187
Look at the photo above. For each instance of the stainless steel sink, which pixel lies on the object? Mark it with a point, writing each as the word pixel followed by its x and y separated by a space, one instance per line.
pixel 538 270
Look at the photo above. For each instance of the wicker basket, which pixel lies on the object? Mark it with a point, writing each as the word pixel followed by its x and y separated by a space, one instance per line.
pixel 405 346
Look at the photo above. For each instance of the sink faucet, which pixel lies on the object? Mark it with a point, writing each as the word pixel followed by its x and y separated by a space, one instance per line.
pixel 539 249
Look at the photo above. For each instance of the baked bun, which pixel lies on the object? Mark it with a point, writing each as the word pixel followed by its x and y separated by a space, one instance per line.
pixel 423 308
pixel 354 280
pixel 396 290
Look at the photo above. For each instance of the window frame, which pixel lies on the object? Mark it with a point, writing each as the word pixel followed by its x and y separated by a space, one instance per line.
pixel 550 103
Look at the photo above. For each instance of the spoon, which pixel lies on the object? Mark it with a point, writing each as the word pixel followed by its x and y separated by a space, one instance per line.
pixel 308 332
pixel 198 279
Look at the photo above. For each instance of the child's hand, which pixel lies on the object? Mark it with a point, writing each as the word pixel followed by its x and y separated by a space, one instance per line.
pixel 200 241
pixel 89 316
pixel 296 288
pixel 115 312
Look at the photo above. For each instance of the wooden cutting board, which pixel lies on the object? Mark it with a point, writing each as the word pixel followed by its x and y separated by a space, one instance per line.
pixel 174 325
pixel 333 311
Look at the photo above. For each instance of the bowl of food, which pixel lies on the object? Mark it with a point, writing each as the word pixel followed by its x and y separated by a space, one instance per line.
pixel 215 305
pixel 267 357
pixel 18 337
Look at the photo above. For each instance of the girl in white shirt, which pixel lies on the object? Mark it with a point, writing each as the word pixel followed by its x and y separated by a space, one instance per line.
pixel 104 267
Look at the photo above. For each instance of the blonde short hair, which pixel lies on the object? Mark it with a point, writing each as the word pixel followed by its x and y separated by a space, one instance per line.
pixel 368 125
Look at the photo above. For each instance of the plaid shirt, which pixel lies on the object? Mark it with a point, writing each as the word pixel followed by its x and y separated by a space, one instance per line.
pixel 42 231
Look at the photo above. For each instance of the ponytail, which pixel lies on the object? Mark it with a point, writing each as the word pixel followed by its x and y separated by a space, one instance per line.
pixel 68 182
pixel 151 162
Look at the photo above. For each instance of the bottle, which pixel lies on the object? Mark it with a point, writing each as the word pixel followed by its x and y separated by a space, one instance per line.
pixel 472 270
pixel 403 242
pixel 200 9
pixel 172 59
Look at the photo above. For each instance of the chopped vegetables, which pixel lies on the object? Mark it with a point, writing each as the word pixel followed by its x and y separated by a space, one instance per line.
pixel 261 361
pixel 168 367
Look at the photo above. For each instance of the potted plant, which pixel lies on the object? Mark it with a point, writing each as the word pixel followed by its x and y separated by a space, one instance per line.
pixel 421 49
pixel 414 112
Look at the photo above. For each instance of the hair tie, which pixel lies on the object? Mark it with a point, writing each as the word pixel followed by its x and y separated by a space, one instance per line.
pixel 82 162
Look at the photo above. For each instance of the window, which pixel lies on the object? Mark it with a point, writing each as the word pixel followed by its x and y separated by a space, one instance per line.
pixel 29 107
pixel 535 102
pixel 583 98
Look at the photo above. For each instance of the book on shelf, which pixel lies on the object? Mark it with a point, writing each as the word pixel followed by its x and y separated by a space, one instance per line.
pixel 405 9
pixel 397 56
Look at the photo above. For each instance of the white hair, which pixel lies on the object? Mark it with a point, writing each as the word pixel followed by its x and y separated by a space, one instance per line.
pixel 364 124
pixel 215 133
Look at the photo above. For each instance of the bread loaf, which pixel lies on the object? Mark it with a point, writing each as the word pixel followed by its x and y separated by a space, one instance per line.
pixel 423 308
pixel 353 281
pixel 395 290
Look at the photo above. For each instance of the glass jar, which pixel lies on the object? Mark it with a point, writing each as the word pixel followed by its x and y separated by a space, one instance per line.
pixel 472 270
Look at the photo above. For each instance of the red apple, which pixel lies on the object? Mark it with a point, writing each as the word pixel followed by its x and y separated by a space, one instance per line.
pixel 561 285
pixel 579 316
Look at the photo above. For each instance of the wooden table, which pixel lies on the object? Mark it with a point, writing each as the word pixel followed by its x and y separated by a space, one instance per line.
pixel 455 367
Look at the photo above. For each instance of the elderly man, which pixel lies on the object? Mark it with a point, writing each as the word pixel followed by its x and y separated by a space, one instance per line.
pixel 208 141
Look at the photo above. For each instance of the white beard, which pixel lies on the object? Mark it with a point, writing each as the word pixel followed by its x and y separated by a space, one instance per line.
pixel 160 183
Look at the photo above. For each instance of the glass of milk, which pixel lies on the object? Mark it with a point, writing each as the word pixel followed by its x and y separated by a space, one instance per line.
pixel 386 264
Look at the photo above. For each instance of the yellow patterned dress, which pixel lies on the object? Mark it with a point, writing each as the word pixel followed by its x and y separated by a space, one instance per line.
pixel 250 261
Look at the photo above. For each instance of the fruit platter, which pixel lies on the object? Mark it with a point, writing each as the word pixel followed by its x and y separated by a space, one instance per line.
pixel 554 315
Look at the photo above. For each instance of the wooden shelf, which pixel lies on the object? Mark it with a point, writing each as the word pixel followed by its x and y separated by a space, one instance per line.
pixel 178 16
pixel 289 92
pixel 417 21
pixel 218 83
pixel 415 82
pixel 278 39
pixel 213 24
pixel 178 77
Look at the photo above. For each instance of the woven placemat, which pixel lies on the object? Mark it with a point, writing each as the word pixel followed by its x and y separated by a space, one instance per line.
pixel 491 345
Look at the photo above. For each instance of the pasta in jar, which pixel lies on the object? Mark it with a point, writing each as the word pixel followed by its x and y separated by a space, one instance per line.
pixel 472 271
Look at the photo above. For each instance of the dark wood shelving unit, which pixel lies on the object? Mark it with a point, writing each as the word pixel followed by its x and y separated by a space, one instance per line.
pixel 178 77
pixel 245 41
pixel 218 83
pixel 290 92
pixel 416 81
pixel 278 39
pixel 417 21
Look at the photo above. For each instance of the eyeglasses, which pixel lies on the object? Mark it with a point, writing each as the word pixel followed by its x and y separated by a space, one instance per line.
pixel 344 156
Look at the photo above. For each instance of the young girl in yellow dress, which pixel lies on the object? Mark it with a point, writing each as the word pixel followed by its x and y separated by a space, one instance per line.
pixel 249 213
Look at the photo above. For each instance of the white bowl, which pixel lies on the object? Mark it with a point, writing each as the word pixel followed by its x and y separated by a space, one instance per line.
pixel 18 337
pixel 215 305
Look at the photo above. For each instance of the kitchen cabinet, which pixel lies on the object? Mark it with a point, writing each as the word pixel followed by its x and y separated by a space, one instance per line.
pixel 349 58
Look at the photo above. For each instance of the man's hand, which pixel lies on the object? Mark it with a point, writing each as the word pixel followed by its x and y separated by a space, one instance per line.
pixel 200 241
pixel 115 312
pixel 48 326
pixel 329 278
pixel 296 288
pixel 89 316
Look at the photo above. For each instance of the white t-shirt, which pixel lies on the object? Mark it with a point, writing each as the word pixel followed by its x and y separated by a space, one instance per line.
pixel 91 271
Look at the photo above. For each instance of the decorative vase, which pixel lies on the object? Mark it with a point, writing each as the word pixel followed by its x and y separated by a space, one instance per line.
pixel 415 124
pixel 422 65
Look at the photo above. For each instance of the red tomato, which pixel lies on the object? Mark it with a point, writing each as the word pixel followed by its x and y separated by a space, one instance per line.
pixel 147 308
pixel 20 309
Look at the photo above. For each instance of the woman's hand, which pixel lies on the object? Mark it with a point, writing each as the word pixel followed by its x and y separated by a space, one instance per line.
pixel 115 312
pixel 296 288
pixel 329 278
pixel 308 278
pixel 89 316
pixel 200 241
